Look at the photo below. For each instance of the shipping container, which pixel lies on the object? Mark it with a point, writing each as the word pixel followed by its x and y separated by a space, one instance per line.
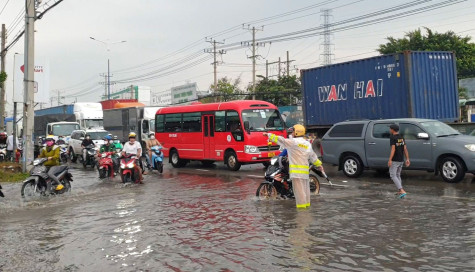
pixel 109 104
pixel 406 85
pixel 63 109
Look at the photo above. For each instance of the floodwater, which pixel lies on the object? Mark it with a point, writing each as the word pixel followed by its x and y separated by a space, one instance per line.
pixel 195 219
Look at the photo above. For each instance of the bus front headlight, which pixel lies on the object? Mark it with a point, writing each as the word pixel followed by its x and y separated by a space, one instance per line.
pixel 251 149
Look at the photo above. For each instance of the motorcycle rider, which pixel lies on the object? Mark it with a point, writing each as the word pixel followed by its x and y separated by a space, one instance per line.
pixel 107 146
pixel 60 141
pixel 117 143
pixel 151 142
pixel 3 138
pixel 300 152
pixel 85 143
pixel 134 147
pixel 52 152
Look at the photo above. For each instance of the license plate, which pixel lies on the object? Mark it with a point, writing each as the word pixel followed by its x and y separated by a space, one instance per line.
pixel 271 154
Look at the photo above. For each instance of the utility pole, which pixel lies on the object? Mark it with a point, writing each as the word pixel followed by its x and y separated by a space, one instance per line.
pixel 254 56
pixel 3 88
pixel 280 70
pixel 215 52
pixel 267 69
pixel 29 80
pixel 288 64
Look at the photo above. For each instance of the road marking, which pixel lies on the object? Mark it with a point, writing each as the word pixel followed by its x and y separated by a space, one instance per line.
pixel 204 170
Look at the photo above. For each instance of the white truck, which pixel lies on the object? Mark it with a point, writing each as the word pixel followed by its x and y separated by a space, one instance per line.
pixel 87 114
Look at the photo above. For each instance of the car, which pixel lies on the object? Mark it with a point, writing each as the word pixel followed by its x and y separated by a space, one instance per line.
pixel 433 146
pixel 77 136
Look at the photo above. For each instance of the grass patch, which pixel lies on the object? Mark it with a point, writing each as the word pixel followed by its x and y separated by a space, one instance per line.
pixel 11 172
pixel 12 177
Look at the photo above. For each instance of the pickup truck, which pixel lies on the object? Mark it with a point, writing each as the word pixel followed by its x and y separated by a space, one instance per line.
pixel 433 146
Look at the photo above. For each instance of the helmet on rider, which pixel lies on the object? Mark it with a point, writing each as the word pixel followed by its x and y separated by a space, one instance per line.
pixel 49 140
pixel 299 130
pixel 3 135
pixel 132 135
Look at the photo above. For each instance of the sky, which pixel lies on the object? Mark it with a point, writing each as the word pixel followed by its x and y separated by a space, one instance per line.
pixel 155 29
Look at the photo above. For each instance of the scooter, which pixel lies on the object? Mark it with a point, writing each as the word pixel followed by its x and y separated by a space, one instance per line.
pixel 39 183
pixel 3 152
pixel 90 156
pixel 157 158
pixel 64 153
pixel 106 165
pixel 278 183
pixel 127 169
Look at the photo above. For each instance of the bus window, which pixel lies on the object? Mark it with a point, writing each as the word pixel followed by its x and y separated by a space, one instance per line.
pixel 232 121
pixel 192 122
pixel 159 123
pixel 220 122
pixel 173 122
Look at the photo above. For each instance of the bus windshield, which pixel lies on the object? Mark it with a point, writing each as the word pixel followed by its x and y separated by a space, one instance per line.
pixel 263 119
pixel 64 129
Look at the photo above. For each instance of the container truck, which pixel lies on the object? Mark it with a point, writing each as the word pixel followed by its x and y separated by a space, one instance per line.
pixel 122 121
pixel 88 115
pixel 405 85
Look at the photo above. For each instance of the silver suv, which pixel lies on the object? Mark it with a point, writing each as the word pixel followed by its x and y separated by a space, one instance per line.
pixel 433 146
pixel 77 136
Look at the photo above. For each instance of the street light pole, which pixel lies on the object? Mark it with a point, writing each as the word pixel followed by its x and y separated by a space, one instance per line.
pixel 107 44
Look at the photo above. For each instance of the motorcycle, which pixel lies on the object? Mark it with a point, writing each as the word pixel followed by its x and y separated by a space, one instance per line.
pixel 3 152
pixel 127 169
pixel 278 183
pixel 39 183
pixel 157 158
pixel 64 153
pixel 106 165
pixel 90 156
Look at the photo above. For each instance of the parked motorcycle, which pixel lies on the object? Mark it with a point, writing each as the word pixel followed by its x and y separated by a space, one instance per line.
pixel 127 169
pixel 277 181
pixel 3 152
pixel 90 156
pixel 64 153
pixel 157 158
pixel 39 183
pixel 106 165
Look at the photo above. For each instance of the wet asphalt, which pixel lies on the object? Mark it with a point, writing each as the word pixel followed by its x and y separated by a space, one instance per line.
pixel 208 219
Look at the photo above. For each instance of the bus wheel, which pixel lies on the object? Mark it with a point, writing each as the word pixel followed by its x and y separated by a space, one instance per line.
pixel 232 161
pixel 175 159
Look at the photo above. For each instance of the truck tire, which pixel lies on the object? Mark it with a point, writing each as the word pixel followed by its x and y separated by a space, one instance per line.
pixel 352 166
pixel 231 161
pixel 452 170
pixel 175 159
pixel 72 155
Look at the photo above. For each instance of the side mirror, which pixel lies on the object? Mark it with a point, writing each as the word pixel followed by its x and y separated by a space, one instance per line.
pixel 247 126
pixel 422 136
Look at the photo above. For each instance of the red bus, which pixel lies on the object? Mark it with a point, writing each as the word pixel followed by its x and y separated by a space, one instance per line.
pixel 228 131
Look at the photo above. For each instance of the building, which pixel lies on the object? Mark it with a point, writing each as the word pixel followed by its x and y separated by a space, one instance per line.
pixel 163 98
pixel 469 84
pixel 184 94
pixel 141 93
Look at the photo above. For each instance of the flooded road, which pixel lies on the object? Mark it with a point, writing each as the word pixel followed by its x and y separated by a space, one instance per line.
pixel 196 219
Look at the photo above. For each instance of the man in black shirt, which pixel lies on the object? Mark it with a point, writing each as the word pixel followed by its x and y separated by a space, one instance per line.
pixel 85 143
pixel 396 159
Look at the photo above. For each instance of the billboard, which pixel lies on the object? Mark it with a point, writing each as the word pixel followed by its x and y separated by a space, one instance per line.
pixel 42 74
pixel 184 94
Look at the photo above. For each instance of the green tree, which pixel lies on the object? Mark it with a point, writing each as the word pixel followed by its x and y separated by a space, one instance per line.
pixel 433 41
pixel 225 90
pixel 3 78
pixel 281 92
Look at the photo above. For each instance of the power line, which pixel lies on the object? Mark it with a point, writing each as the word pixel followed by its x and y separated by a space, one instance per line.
pixel 4 7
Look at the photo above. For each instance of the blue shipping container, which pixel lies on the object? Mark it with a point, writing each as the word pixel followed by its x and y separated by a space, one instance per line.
pixel 406 85
pixel 64 109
